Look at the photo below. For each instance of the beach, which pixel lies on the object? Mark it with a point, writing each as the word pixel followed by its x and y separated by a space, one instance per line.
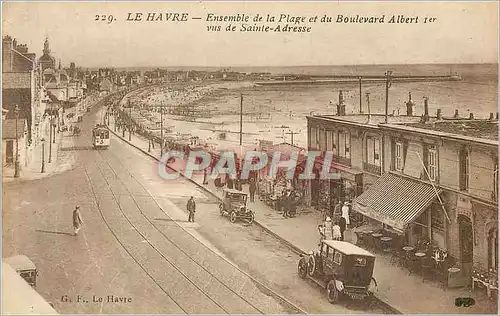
pixel 206 109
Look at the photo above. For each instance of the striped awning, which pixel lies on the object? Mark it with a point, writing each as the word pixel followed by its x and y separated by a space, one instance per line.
pixel 395 201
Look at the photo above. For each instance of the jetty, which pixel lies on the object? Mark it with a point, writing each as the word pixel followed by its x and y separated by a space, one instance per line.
pixel 330 80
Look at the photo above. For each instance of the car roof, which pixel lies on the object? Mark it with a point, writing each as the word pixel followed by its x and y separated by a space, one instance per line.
pixel 347 248
pixel 20 262
pixel 234 191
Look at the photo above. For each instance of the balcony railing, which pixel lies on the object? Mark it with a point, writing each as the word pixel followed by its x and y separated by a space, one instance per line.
pixel 371 168
pixel 342 160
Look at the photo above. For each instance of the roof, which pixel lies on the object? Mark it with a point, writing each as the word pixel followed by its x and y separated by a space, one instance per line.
pixel 18 297
pixel 394 200
pixel 471 128
pixel 363 118
pixel 20 262
pixel 347 248
pixel 9 128
pixel 234 191
pixel 285 148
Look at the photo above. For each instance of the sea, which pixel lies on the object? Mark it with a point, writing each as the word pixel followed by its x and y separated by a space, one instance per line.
pixel 274 112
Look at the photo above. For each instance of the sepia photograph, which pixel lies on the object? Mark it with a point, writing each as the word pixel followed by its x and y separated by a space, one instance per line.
pixel 249 157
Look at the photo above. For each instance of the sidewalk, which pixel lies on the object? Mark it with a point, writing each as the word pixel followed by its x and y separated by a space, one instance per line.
pixel 406 293
pixel 61 160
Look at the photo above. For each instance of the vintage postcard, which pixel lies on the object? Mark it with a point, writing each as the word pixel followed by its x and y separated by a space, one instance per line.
pixel 250 157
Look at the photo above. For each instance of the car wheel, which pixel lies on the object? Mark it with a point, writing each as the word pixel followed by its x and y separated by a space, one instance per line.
pixel 302 267
pixel 221 208
pixel 311 265
pixel 332 292
pixel 232 218
pixel 252 217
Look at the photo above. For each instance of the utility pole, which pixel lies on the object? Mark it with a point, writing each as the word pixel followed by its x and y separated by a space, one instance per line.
pixel 360 97
pixel 241 119
pixel 368 103
pixel 387 86
pixel 16 166
pixel 130 121
pixel 161 129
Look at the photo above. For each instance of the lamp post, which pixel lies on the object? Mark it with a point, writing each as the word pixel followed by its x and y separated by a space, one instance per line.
pixel 16 165
pixel 50 140
pixel 53 122
pixel 43 155
pixel 130 120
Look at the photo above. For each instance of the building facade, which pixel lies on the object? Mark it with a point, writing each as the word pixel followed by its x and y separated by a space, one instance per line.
pixel 422 177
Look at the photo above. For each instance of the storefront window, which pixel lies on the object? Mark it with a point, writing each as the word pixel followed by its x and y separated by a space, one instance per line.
pixel 344 144
pixel 312 138
pixel 437 226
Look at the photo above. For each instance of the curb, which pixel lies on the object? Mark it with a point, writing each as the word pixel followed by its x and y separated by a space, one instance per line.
pixel 292 247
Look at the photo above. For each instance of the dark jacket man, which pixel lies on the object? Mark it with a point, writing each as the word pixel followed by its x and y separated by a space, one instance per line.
pixel 191 208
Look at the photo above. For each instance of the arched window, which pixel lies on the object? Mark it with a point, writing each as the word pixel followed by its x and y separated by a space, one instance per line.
pixel 493 249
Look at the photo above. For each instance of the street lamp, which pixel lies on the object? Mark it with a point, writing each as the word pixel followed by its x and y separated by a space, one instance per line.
pixel 130 121
pixel 50 140
pixel 16 166
pixel 43 155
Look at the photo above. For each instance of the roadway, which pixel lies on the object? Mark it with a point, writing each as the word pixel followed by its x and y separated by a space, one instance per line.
pixel 137 246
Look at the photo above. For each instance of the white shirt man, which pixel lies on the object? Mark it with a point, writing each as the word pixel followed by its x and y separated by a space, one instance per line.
pixel 345 212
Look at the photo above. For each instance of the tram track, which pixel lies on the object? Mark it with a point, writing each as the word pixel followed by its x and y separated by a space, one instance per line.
pixel 239 296
pixel 377 302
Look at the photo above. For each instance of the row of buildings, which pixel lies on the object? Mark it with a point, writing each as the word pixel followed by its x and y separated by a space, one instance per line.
pixel 423 176
pixel 35 92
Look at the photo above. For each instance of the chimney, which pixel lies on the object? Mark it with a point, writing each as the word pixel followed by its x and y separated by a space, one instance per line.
pixel 341 105
pixel 491 116
pixel 456 114
pixel 439 115
pixel 471 116
pixel 409 105
pixel 7 56
pixel 426 109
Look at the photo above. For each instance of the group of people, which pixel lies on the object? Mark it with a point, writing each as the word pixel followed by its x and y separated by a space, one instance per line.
pixel 335 231
pixel 288 203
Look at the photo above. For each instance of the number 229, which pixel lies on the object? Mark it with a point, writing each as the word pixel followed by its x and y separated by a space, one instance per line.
pixel 104 17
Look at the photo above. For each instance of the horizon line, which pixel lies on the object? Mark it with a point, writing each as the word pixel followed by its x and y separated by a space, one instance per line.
pixel 278 66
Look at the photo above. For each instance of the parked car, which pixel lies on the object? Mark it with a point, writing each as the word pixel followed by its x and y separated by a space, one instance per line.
pixel 24 267
pixel 234 204
pixel 343 269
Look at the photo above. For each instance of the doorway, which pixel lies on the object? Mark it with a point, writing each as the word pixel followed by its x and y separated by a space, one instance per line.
pixel 466 239
pixel 9 152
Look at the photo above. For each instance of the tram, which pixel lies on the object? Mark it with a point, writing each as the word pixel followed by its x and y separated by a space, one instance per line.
pixel 100 137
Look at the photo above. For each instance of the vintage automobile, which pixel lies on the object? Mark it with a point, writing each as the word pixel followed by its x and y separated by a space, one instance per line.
pixel 342 268
pixel 24 267
pixel 234 204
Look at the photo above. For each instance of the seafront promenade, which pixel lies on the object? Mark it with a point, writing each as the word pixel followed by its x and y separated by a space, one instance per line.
pixel 396 287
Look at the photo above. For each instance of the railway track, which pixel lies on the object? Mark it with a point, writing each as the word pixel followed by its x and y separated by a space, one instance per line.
pixel 379 304
pixel 253 306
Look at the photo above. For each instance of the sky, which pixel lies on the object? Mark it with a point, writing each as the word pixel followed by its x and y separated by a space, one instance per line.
pixel 462 33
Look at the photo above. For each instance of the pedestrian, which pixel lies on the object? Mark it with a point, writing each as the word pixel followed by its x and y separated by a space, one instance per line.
pixel 336 234
pixel 252 188
pixel 284 203
pixel 327 229
pixel 77 220
pixel 343 225
pixel 191 208
pixel 345 213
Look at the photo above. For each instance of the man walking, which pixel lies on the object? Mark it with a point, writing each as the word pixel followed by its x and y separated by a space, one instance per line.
pixel 191 208
pixel 77 220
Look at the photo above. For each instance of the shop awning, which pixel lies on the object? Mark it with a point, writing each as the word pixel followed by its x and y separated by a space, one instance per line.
pixel 395 201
